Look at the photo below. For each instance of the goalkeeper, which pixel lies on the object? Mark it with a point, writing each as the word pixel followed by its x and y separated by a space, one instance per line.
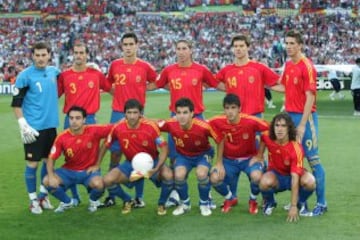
pixel 35 105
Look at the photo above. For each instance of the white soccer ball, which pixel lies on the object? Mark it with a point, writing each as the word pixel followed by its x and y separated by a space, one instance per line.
pixel 142 162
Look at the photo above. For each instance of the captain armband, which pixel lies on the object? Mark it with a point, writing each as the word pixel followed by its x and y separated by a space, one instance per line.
pixel 18 96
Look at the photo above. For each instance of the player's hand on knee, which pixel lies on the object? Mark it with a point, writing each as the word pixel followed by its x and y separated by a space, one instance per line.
pixel 28 134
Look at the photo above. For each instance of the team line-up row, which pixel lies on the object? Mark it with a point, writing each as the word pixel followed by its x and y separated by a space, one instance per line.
pixel 36 100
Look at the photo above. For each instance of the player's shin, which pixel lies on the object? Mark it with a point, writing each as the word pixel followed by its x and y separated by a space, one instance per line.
pixel 30 180
pixel 59 193
pixel 304 194
pixel 181 187
pixel 166 187
pixel 204 189
pixel 222 188
pixel 116 190
pixel 43 191
pixel 95 194
pixel 319 174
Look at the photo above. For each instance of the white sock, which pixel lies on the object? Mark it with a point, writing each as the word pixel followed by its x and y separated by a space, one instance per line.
pixel 33 196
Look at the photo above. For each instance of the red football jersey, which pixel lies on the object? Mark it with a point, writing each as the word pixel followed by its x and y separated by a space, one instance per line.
pixel 186 82
pixel 130 81
pixel 248 83
pixel 144 138
pixel 80 151
pixel 193 141
pixel 240 138
pixel 298 78
pixel 82 89
pixel 284 159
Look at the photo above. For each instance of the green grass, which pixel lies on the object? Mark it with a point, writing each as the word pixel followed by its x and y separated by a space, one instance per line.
pixel 339 146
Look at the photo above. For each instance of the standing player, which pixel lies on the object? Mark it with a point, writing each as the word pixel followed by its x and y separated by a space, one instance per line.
pixel 285 170
pixel 239 132
pixel 136 134
pixel 191 137
pixel 299 79
pixel 247 79
pixel 81 86
pixel 185 78
pixel 129 76
pixel 35 104
pixel 80 146
pixel 355 87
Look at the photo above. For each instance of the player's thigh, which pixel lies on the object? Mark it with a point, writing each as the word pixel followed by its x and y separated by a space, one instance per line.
pixel 232 170
pixel 66 177
pixel 94 180
pixel 114 176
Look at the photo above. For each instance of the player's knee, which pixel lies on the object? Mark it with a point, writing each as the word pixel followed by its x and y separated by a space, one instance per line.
pixel 255 176
pixel 266 182
pixel 45 181
pixel 202 173
pixel 97 183
pixel 308 182
pixel 180 173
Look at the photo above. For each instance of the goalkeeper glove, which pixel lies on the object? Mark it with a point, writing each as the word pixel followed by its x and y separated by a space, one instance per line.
pixel 28 134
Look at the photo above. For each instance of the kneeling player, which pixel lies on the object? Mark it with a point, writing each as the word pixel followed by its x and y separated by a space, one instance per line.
pixel 80 145
pixel 136 134
pixel 285 170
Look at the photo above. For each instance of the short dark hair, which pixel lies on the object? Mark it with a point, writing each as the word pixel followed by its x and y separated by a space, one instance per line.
pixel 81 44
pixel 187 42
pixel 231 99
pixel 289 123
pixel 77 109
pixel 185 102
pixel 130 35
pixel 295 34
pixel 133 103
pixel 41 45
pixel 240 37
pixel 357 61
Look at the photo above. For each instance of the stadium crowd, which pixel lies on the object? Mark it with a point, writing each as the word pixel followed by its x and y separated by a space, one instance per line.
pixel 333 36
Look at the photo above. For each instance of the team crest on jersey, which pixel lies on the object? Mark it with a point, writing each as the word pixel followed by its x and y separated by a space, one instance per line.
pixel 194 81
pixel 138 79
pixel 245 136
pixel 89 145
pixel 197 143
pixel 78 141
pixel 16 92
pixel 81 77
pixel 296 81
pixel 53 150
pixel 145 143
pixel 251 79
pixel 286 162
pixel 91 84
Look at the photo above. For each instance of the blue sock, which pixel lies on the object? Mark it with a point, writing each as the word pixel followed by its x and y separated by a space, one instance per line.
pixel 95 194
pixel 30 179
pixel 268 196
pixel 116 190
pixel 304 194
pixel 59 193
pixel 254 188
pixel 74 191
pixel 234 185
pixel 166 188
pixel 319 175
pixel 222 188
pixel 204 189
pixel 181 187
pixel 139 188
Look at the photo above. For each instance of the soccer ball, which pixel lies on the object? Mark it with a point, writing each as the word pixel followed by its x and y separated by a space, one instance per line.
pixel 142 162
